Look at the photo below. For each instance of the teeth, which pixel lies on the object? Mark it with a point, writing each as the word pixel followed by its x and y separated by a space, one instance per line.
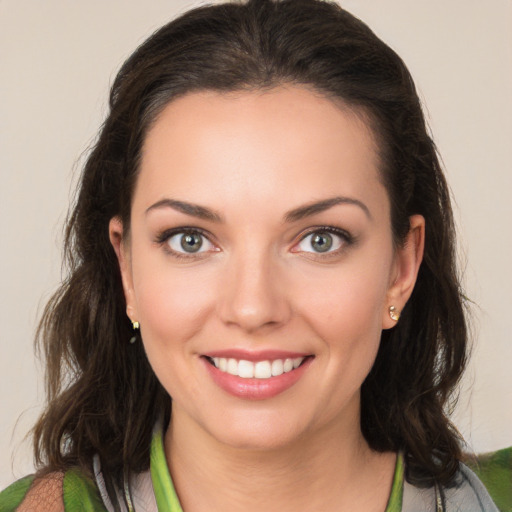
pixel 277 367
pixel 232 367
pixel 259 370
pixel 246 369
pixel 288 365
pixel 262 370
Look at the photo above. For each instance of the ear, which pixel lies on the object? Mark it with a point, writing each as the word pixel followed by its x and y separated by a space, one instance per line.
pixel 408 258
pixel 119 243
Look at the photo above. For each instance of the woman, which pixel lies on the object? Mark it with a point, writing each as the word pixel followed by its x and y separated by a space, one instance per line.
pixel 264 234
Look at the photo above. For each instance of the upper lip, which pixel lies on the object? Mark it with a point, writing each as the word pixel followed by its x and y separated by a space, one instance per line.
pixel 254 356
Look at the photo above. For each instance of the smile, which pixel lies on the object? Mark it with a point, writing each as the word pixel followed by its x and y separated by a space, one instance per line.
pixel 256 375
pixel 256 370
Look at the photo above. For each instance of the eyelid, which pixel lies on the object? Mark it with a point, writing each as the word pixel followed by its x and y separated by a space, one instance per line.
pixel 163 238
pixel 346 240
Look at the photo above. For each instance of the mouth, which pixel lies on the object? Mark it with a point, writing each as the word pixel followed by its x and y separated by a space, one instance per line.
pixel 265 369
pixel 256 376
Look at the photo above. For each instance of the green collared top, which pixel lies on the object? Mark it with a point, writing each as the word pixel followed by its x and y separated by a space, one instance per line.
pixel 81 493
pixel 167 499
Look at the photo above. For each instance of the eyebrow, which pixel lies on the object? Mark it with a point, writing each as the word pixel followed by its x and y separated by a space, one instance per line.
pixel 321 206
pixel 188 208
pixel 294 215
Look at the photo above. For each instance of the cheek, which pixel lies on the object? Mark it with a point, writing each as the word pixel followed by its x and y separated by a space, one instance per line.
pixel 348 320
pixel 351 297
pixel 344 309
pixel 172 307
pixel 171 304
pixel 350 324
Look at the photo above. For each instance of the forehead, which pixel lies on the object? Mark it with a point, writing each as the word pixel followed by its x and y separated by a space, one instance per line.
pixel 289 141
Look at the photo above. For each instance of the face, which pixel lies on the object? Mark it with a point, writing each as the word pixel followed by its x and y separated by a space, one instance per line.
pixel 260 263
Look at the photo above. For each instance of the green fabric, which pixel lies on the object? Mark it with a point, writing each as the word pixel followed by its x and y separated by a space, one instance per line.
pixel 495 472
pixel 80 493
pixel 11 497
pixel 166 498
pixel 397 489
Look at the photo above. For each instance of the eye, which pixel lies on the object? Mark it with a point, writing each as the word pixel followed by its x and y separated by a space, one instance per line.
pixel 188 242
pixel 323 241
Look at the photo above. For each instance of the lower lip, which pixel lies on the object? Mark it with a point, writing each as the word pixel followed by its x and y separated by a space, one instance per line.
pixel 256 389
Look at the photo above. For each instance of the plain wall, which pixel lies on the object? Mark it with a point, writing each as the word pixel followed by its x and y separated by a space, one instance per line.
pixel 57 60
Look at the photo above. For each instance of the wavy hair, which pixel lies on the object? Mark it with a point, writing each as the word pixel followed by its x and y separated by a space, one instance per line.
pixel 102 395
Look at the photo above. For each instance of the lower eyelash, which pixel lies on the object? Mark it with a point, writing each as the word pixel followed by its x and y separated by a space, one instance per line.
pixel 163 237
pixel 346 241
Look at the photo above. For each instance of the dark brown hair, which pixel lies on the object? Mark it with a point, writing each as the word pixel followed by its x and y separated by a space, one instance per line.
pixel 103 397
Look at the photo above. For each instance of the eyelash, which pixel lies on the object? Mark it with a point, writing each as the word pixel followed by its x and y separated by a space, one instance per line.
pixel 346 238
pixel 164 237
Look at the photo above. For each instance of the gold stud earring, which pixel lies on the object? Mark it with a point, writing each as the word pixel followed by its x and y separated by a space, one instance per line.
pixel 136 327
pixel 394 314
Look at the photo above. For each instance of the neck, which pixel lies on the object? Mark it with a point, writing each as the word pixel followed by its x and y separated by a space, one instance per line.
pixel 330 471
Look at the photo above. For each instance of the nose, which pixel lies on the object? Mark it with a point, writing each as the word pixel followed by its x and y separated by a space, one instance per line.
pixel 253 296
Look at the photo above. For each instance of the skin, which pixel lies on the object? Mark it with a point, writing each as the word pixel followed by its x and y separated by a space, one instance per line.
pixel 259 284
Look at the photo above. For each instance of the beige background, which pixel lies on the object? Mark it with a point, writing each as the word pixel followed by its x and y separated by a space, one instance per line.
pixel 57 59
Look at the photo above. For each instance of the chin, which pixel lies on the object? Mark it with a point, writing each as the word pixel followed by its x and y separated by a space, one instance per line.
pixel 258 432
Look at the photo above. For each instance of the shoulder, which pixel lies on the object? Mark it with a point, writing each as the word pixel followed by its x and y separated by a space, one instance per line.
pixel 66 491
pixel 494 470
pixel 468 493
pixel 482 484
pixel 12 497
pixel 34 494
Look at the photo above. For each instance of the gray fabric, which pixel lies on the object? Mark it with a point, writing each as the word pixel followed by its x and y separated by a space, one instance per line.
pixel 141 491
pixel 469 495
pixel 418 500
